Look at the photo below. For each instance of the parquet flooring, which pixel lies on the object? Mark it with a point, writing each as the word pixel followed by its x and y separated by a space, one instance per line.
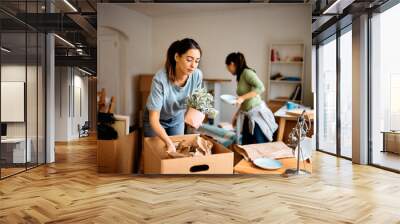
pixel 70 191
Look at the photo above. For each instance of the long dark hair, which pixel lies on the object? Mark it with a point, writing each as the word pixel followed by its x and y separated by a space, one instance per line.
pixel 178 47
pixel 238 59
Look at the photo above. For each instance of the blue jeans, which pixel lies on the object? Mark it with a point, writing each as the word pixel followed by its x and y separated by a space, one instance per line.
pixel 255 138
pixel 173 126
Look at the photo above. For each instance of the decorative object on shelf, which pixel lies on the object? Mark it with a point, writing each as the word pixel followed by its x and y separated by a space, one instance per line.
pixel 277 55
pixel 297 58
pixel 277 76
pixel 199 104
pixel 272 55
pixel 296 136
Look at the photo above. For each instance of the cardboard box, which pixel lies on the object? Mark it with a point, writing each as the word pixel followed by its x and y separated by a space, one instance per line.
pixel 117 156
pixel 107 156
pixel 145 82
pixel 157 161
pixel 144 89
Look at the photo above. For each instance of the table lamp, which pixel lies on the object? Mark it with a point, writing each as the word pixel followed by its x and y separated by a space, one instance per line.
pixel 297 134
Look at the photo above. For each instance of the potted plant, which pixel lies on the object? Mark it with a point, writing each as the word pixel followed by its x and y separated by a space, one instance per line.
pixel 199 104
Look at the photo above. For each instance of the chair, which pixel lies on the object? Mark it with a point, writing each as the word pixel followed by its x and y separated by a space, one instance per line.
pixel 84 130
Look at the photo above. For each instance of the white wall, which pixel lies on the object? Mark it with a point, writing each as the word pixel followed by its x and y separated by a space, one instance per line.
pixel 124 52
pixel 248 30
pixel 219 32
pixel 18 73
pixel 62 82
pixel 70 83
pixel 33 127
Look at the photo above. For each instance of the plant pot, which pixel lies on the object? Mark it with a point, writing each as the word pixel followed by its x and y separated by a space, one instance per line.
pixel 194 117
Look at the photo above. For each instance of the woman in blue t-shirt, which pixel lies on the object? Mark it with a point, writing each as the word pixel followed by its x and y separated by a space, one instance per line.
pixel 166 104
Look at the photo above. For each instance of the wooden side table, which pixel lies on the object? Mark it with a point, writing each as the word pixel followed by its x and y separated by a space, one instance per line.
pixel 242 166
pixel 246 167
pixel 283 117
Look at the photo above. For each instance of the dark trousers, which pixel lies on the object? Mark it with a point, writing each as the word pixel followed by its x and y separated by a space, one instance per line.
pixel 255 138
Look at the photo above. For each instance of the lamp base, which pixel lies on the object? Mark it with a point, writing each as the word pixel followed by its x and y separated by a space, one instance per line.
pixel 295 172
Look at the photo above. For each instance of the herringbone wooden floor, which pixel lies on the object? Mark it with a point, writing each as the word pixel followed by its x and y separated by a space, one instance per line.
pixel 70 191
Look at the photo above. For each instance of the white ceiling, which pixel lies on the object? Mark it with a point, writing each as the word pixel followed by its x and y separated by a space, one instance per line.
pixel 165 9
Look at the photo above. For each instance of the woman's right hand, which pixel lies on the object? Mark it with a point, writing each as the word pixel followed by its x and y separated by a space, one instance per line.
pixel 171 147
pixel 154 117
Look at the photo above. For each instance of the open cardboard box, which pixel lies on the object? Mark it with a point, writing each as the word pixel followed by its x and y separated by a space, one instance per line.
pixel 157 160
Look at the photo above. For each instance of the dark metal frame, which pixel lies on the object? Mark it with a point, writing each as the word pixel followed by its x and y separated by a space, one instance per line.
pixel 0 93
pixel 318 91
pixel 338 93
pixel 37 164
pixel 339 32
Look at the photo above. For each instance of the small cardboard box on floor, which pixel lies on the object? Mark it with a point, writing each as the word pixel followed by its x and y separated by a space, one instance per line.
pixel 157 161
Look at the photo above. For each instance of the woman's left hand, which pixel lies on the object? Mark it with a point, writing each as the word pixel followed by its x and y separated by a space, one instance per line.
pixel 239 101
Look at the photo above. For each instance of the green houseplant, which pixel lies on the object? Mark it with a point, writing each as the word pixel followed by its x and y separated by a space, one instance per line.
pixel 199 103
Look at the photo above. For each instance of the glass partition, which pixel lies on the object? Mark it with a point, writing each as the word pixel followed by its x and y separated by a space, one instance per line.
pixel 13 95
pixel 22 88
pixel 327 96
pixel 385 89
pixel 346 94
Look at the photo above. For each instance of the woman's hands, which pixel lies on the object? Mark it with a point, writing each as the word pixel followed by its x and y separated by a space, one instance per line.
pixel 246 96
pixel 239 100
pixel 154 117
pixel 234 119
pixel 171 147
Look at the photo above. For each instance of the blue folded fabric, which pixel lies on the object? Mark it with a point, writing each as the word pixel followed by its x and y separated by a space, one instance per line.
pixel 290 78
pixel 221 135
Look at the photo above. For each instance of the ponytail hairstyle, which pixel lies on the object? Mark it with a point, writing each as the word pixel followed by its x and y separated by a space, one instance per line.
pixel 179 47
pixel 238 59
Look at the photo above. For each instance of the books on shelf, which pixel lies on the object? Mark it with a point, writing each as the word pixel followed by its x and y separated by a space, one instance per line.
pixel 296 95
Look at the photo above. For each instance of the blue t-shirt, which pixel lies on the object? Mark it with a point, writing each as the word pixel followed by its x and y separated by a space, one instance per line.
pixel 169 98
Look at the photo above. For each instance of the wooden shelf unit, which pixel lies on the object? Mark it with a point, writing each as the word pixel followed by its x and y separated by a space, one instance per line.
pixel 287 67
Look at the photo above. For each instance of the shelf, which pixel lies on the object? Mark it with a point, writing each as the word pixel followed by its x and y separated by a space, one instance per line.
pixel 291 63
pixel 285 100
pixel 288 44
pixel 286 62
pixel 216 80
pixel 285 82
